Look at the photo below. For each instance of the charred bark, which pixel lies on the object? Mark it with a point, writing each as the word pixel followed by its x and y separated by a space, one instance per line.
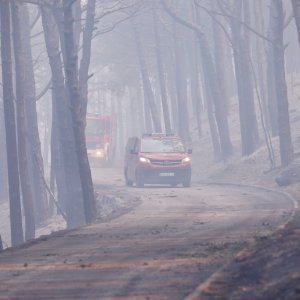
pixel 61 105
pixel 35 159
pixel 272 96
pixel 86 56
pixel 248 122
pixel 148 92
pixel 296 10
pixel 181 85
pixel 285 139
pixel 213 86
pixel 21 123
pixel 161 74
pixel 3 158
pixel 71 68
pixel 10 127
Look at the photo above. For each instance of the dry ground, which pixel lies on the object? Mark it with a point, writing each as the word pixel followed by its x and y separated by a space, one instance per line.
pixel 270 268
pixel 267 269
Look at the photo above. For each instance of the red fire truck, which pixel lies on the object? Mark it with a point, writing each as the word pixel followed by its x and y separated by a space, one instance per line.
pixel 98 134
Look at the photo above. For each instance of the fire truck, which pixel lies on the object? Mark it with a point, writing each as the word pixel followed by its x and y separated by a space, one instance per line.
pixel 98 134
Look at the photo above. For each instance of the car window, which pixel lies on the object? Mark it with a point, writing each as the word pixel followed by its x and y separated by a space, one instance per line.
pixel 161 145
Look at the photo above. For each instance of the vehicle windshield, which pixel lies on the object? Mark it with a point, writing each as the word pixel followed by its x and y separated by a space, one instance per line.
pixel 161 146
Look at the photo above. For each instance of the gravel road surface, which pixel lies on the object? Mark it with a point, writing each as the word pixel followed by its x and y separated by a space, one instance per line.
pixel 163 247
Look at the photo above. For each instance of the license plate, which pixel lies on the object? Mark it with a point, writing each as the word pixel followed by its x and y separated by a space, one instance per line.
pixel 166 174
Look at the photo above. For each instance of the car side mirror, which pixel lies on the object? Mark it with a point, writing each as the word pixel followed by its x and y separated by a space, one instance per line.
pixel 190 151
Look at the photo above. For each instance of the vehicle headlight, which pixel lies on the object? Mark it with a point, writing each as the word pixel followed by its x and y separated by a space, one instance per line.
pixel 144 160
pixel 99 153
pixel 186 159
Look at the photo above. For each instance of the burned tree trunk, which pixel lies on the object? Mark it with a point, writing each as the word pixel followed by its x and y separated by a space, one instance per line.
pixel 148 92
pixel 181 84
pixel 10 127
pixel 71 67
pixel 213 86
pixel 3 156
pixel 161 74
pixel 284 130
pixel 272 96
pixel 22 146
pixel 220 57
pixel 296 10
pixel 86 55
pixel 248 122
pixel 73 201
pixel 35 159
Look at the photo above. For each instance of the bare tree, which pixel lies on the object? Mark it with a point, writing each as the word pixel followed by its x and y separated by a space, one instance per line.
pixel 148 92
pixel 285 139
pixel 296 10
pixel 71 67
pixel 213 85
pixel 21 124
pixel 10 127
pixel 86 55
pixel 161 73
pixel 220 55
pixel 35 159
pixel 272 115
pixel 67 156
pixel 181 83
pixel 237 10
pixel 3 158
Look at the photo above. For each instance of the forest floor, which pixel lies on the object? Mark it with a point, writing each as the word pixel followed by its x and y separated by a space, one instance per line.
pixel 269 268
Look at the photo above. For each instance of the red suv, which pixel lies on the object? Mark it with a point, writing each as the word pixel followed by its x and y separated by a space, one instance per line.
pixel 157 159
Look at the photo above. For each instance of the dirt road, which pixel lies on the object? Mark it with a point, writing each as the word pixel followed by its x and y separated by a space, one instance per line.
pixel 160 249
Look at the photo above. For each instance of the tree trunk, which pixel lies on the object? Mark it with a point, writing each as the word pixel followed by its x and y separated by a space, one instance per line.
pixel 161 74
pixel 214 90
pixel 220 57
pixel 181 85
pixel 285 140
pixel 210 71
pixel 86 55
pixel 296 10
pixel 10 127
pixel 74 204
pixel 71 68
pixel 77 11
pixel 35 158
pixel 272 101
pixel 248 122
pixel 194 65
pixel 261 68
pixel 138 122
pixel 148 92
pixel 212 120
pixel 57 164
pixel 21 124
pixel 3 156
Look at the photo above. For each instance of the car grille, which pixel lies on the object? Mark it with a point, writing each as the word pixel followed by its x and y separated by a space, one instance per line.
pixel 165 162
